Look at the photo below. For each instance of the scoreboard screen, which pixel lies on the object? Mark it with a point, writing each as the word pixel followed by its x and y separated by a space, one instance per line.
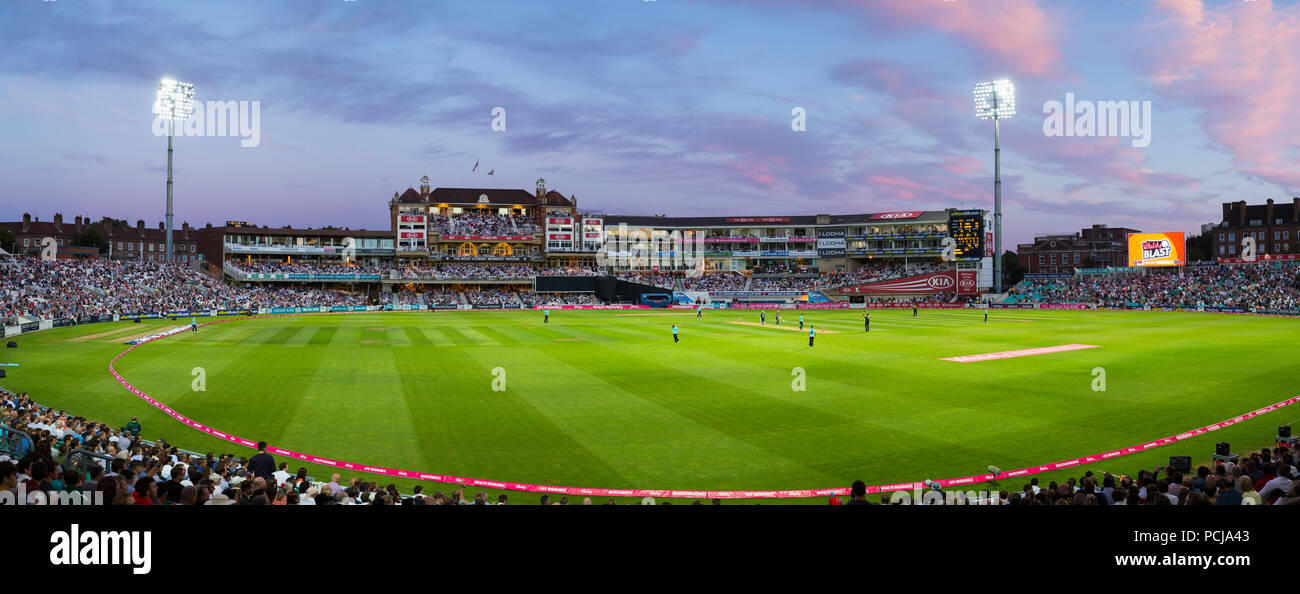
pixel 966 227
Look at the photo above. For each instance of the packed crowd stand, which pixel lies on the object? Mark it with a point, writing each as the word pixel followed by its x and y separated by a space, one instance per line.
pixel 784 269
pixel 1262 285
pixel 535 299
pixel 712 281
pixel 867 273
pixel 570 271
pixel 32 288
pixel 257 296
pixel 488 296
pixel 459 271
pixel 783 284
pixel 904 230
pixel 306 268
pixel 429 296
pixel 1266 477
pixel 73 288
pixel 716 281
pixel 483 224
pixel 656 279
pixel 449 270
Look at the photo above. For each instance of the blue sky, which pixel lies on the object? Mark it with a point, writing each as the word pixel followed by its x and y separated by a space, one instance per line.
pixel 671 106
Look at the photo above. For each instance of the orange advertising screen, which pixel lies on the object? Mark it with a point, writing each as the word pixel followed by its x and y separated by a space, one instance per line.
pixel 1156 249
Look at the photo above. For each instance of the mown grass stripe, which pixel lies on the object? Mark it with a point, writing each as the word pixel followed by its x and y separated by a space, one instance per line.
pixel 501 338
pixel 456 336
pixel 302 337
pixel 324 336
pixel 416 337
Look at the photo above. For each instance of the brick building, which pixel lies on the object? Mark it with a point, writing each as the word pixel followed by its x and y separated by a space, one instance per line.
pixel 1097 246
pixel 124 242
pixel 1275 227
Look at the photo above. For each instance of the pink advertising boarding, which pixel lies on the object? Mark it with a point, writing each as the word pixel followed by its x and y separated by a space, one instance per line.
pixel 1020 353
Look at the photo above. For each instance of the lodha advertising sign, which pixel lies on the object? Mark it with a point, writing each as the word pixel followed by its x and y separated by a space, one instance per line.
pixel 830 242
pixel 1156 249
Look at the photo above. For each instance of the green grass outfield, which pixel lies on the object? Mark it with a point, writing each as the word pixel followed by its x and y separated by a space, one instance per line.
pixel 605 399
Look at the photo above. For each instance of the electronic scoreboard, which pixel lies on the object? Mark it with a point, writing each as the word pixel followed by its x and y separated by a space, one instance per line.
pixel 966 227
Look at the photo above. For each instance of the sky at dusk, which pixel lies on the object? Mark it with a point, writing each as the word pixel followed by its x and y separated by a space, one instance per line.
pixel 644 107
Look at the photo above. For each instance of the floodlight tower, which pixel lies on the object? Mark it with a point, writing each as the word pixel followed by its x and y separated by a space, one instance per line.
pixel 995 100
pixel 175 102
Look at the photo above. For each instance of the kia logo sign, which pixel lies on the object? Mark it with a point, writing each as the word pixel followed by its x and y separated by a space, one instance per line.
pixel 966 283
pixel 939 282
pixel 896 215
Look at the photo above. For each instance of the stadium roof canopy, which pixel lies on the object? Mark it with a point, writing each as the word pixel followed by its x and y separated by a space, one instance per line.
pixel 924 217
pixel 305 231
pixel 499 197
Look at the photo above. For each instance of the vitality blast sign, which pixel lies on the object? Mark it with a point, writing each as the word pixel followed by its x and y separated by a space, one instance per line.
pixel 1156 249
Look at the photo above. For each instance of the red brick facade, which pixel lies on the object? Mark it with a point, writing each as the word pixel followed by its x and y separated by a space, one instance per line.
pixel 136 243
pixel 1097 246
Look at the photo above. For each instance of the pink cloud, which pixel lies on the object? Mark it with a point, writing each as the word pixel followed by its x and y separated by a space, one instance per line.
pixel 754 172
pixel 1105 160
pixel 905 188
pixel 963 165
pixel 1240 64
pixel 892 184
pixel 1015 32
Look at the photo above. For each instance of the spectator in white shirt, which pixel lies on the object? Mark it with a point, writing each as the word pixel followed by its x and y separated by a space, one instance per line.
pixel 281 476
pixel 1281 482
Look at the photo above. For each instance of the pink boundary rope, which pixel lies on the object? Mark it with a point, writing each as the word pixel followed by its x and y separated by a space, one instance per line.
pixel 672 493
